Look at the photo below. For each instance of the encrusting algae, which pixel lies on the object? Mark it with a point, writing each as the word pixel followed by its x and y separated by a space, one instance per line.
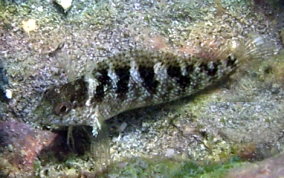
pixel 138 78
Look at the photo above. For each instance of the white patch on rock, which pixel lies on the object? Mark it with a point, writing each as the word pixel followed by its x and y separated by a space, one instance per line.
pixel 170 153
pixel 65 4
pixel 29 25
pixel 9 94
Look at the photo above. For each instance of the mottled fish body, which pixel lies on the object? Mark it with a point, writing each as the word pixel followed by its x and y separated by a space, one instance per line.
pixel 129 80
pixel 139 78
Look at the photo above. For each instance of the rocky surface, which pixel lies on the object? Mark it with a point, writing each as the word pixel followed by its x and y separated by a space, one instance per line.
pixel 21 146
pixel 269 168
pixel 241 116
pixel 3 83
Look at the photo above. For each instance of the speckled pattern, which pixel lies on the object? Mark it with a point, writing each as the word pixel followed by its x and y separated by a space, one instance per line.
pixel 243 112
pixel 127 81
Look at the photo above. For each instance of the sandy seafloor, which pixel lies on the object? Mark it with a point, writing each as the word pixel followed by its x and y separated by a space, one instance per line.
pixel 242 116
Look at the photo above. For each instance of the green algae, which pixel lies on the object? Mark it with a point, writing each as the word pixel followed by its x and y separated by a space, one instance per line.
pixel 139 167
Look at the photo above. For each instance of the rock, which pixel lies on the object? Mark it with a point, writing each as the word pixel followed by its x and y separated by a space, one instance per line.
pixel 16 1
pixel 272 167
pixel 64 4
pixel 3 84
pixel 9 93
pixel 20 146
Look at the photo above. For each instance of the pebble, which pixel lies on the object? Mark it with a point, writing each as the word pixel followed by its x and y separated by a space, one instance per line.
pixel 29 25
pixel 64 4
pixel 170 153
pixel 9 93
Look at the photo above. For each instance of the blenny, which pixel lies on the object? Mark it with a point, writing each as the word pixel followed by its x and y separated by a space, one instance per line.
pixel 138 78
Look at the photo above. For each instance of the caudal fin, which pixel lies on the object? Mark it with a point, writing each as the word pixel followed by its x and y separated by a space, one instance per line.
pixel 255 47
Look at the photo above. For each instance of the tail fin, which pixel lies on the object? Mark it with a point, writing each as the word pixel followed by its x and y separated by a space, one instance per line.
pixel 255 47
pixel 252 47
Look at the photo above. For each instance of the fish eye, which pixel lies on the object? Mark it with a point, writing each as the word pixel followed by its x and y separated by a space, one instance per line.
pixel 62 108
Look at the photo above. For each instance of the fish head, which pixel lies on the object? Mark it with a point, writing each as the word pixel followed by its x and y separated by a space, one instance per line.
pixel 63 105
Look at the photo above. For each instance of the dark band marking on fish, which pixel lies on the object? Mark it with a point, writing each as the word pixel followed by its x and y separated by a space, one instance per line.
pixel 231 61
pixel 175 72
pixel 104 81
pixel 148 76
pixel 212 70
pixel 123 74
pixel 204 68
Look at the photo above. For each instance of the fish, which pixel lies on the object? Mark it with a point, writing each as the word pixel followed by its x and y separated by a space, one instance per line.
pixel 139 78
